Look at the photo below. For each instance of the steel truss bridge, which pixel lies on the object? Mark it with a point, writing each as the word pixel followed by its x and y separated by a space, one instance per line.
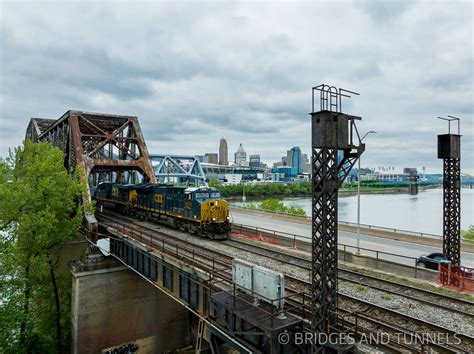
pixel 103 147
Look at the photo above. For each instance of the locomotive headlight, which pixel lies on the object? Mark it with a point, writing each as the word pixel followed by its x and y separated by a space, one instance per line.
pixel 217 203
pixel 213 219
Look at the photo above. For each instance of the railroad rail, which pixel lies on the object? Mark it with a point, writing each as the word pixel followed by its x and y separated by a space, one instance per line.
pixel 358 315
pixel 367 316
pixel 449 303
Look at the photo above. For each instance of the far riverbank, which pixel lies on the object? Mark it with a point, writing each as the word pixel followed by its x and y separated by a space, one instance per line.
pixel 251 194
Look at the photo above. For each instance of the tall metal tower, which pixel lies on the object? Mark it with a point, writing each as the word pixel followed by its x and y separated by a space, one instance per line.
pixel 449 149
pixel 336 146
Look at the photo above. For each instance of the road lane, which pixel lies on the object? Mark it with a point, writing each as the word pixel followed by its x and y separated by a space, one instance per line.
pixel 349 238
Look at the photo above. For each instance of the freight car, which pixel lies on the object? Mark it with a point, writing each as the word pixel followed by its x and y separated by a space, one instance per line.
pixel 197 210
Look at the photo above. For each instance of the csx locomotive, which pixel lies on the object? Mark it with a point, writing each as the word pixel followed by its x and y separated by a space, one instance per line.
pixel 198 210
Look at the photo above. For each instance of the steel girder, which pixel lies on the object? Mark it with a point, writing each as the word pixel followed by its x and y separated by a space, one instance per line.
pixel 103 147
pixel 452 209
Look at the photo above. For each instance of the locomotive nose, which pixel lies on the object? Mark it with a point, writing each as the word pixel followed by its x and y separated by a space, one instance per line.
pixel 218 210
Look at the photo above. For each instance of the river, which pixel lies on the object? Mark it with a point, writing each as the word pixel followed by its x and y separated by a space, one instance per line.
pixel 420 213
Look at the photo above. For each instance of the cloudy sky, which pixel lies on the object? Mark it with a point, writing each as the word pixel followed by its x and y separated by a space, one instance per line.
pixel 195 72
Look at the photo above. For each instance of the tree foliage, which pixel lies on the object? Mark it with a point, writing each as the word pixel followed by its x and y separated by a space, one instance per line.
pixel 294 189
pixel 277 206
pixel 38 211
pixel 265 189
pixel 468 234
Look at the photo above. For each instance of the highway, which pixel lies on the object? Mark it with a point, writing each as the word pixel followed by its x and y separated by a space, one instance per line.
pixel 349 238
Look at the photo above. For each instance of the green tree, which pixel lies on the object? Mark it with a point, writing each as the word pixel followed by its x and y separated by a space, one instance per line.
pixel 276 206
pixel 468 234
pixel 39 210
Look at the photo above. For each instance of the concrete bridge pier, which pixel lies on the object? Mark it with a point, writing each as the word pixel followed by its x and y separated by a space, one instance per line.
pixel 113 306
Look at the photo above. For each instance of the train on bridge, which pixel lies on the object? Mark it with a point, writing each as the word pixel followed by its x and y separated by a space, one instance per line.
pixel 199 210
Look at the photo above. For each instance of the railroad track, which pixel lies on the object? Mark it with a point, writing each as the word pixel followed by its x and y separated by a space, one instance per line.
pixel 371 317
pixel 375 318
pixel 198 256
pixel 448 303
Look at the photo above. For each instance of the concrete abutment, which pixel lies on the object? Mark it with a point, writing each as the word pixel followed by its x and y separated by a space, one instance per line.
pixel 112 305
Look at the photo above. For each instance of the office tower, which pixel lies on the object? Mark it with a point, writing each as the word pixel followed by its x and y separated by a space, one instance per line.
pixel 289 158
pixel 295 154
pixel 254 161
pixel 223 153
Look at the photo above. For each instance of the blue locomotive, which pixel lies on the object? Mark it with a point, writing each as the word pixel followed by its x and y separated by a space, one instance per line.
pixel 199 210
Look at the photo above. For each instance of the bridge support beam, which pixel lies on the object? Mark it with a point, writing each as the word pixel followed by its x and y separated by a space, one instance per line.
pixel 112 305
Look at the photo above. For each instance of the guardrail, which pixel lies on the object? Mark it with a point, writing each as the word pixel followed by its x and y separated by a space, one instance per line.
pixel 349 223
pixel 377 255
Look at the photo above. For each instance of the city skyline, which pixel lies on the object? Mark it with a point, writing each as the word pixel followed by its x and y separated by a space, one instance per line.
pixel 305 159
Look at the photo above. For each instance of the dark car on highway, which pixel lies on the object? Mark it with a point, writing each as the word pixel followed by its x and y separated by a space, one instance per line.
pixel 431 260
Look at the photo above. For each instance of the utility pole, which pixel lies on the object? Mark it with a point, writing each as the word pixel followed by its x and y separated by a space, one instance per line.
pixel 332 132
pixel 358 195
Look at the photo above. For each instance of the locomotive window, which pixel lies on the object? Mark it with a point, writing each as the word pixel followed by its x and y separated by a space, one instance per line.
pixel 215 195
pixel 202 195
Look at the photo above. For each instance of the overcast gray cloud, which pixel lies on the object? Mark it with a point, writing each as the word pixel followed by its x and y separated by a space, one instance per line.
pixel 194 72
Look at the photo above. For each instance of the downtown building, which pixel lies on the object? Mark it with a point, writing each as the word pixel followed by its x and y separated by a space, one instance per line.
pixel 223 153
pixel 291 166
pixel 240 156
pixel 254 161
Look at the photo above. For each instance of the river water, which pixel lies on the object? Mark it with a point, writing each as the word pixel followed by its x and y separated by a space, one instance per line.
pixel 420 213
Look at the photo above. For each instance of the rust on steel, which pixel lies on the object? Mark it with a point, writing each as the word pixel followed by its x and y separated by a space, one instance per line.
pixel 105 147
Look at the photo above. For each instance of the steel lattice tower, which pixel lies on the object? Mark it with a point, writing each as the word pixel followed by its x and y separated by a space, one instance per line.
pixel 449 149
pixel 333 156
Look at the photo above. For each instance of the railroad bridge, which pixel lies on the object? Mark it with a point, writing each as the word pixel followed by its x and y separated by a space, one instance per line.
pixel 163 290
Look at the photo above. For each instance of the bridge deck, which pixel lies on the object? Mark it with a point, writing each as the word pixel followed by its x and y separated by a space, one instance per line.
pixel 261 317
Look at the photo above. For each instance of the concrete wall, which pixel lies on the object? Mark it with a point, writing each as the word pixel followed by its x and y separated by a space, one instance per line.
pixel 69 251
pixel 112 305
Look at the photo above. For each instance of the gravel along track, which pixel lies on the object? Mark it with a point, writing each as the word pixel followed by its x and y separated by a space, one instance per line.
pixel 367 296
